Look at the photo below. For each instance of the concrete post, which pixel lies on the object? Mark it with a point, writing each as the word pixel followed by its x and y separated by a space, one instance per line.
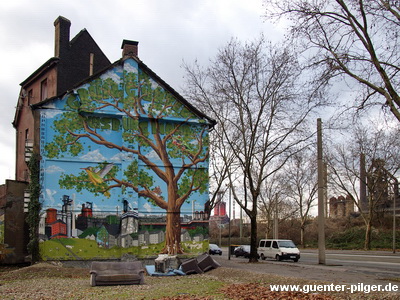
pixel 321 206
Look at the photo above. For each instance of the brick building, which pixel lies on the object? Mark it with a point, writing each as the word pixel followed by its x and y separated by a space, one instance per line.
pixel 73 61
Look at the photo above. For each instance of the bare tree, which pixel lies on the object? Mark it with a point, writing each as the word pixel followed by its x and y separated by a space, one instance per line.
pixel 355 39
pixel 366 160
pixel 301 185
pixel 221 160
pixel 273 204
pixel 257 95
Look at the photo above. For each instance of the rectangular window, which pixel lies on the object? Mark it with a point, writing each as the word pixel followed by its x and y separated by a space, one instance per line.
pixel 268 244
pixel 43 90
pixel 91 64
pixel 30 97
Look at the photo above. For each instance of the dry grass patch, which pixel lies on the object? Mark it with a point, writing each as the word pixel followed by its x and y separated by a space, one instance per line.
pixel 53 281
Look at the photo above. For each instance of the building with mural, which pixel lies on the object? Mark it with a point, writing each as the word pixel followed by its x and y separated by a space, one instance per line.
pixel 123 163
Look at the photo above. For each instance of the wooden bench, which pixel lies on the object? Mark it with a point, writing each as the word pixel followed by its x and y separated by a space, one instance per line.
pixel 116 273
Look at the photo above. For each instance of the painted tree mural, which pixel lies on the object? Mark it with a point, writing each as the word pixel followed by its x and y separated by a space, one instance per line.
pixel 165 144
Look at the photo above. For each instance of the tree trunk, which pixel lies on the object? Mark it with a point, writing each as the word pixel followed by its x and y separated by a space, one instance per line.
pixel 253 240
pixel 302 229
pixel 368 229
pixel 173 234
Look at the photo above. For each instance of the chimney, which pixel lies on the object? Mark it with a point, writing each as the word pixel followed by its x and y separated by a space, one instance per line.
pixel 61 41
pixel 129 48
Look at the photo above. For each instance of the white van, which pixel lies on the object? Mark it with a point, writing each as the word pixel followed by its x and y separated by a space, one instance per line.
pixel 278 249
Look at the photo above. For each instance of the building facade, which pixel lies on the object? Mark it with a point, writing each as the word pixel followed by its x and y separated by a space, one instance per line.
pixel 123 157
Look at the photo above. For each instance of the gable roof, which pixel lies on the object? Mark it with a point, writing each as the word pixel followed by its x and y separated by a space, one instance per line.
pixel 42 69
pixel 68 62
pixel 174 92
pixel 147 70
pixel 50 63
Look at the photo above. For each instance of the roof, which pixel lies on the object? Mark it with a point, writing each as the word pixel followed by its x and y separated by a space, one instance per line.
pixel 113 229
pixel 49 64
pixel 150 72
pixel 43 68
pixel 175 93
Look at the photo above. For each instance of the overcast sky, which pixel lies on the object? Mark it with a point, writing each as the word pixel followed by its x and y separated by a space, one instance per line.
pixel 169 32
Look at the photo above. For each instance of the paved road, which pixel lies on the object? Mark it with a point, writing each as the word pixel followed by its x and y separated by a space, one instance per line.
pixel 378 263
pixel 372 267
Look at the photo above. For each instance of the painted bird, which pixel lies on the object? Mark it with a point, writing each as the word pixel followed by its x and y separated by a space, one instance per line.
pixel 96 175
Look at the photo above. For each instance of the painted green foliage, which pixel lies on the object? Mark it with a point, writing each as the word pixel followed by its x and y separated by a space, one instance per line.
pixel 163 142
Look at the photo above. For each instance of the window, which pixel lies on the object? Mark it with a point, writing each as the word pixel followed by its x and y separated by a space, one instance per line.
pixel 262 243
pixel 287 244
pixel 28 146
pixel 268 244
pixel 43 90
pixel 91 63
pixel 275 245
pixel 30 97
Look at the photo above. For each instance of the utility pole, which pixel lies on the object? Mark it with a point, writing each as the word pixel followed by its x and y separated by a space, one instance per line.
pixel 326 189
pixel 230 217
pixel 220 229
pixel 321 204
pixel 394 225
pixel 395 198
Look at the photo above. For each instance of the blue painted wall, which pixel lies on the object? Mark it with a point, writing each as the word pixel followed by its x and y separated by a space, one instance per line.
pixel 124 169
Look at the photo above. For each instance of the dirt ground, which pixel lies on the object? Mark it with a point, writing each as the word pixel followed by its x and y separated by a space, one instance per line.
pixel 327 273
pixel 241 280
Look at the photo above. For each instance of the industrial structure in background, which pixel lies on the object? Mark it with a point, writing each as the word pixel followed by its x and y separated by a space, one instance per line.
pixel 379 189
pixel 340 207
pixel 219 215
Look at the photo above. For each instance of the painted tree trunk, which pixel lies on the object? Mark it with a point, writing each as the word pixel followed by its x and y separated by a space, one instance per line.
pixel 173 220
pixel 173 234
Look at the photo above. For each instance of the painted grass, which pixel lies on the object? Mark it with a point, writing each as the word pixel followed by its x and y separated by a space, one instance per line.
pixel 85 249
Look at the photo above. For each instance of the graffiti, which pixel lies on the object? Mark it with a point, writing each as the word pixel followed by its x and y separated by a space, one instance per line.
pixel 124 164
